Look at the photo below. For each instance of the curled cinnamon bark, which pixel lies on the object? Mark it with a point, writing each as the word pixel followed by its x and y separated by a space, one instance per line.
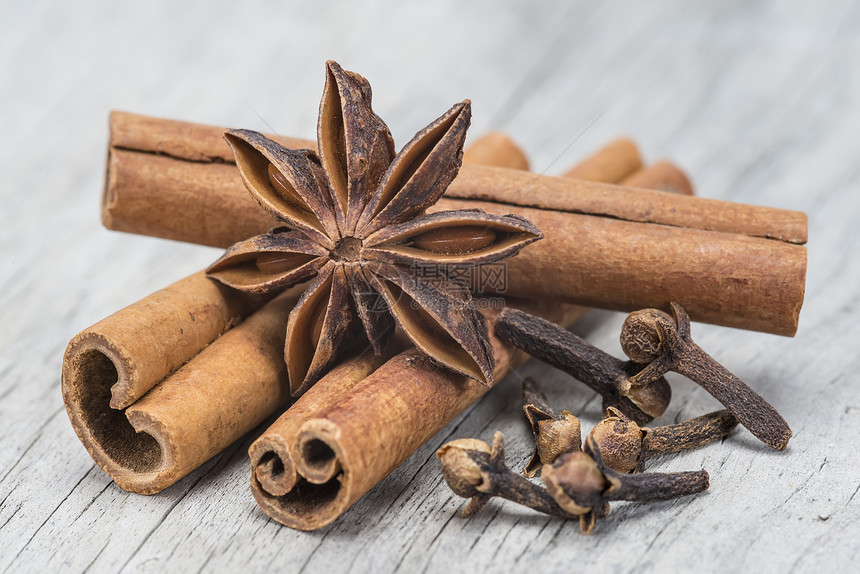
pixel 610 164
pixel 358 436
pixel 625 248
pixel 663 176
pixel 147 419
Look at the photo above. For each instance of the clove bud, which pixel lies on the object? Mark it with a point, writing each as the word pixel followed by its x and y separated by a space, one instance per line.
pixel 474 470
pixel 553 434
pixel 583 485
pixel 661 343
pixel 626 446
pixel 608 376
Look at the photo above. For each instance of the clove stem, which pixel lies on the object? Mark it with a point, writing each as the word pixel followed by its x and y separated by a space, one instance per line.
pixel 665 344
pixel 600 371
pixel 687 435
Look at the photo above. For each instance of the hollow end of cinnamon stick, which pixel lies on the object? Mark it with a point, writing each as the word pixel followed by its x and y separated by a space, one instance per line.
pixel 135 453
pixel 91 368
pixel 318 462
pixel 272 468
pixel 319 493
pixel 279 464
pixel 158 388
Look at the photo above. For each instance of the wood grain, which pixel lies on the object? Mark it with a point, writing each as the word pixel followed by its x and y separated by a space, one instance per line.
pixel 756 101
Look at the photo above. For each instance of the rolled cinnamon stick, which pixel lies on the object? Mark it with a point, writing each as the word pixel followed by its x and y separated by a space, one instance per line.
pixel 177 193
pixel 315 462
pixel 146 421
pixel 179 415
pixel 150 339
pixel 623 248
pixel 620 162
pixel 497 149
pixel 336 443
pixel 662 175
pixel 730 279
pixel 610 164
pixel 515 187
pixel 271 458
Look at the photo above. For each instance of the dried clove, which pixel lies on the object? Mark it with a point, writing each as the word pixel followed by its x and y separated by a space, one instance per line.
pixel 583 485
pixel 474 470
pixel 554 434
pixel 608 376
pixel 661 343
pixel 625 446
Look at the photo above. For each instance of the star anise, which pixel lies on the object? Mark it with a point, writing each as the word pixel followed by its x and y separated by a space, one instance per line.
pixel 354 220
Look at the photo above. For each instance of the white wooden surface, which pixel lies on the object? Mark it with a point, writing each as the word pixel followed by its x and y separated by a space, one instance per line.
pixel 759 101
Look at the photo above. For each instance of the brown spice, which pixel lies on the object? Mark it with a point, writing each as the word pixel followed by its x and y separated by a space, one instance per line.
pixel 553 434
pixel 473 470
pixel 496 149
pixel 663 176
pixel 578 484
pixel 626 446
pixel 620 252
pixel 583 485
pixel 603 373
pixel 660 343
pixel 177 418
pixel 355 217
pixel 610 164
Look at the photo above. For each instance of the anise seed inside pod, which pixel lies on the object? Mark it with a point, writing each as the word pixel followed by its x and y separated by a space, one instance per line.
pixel 272 262
pixel 455 240
pixel 285 188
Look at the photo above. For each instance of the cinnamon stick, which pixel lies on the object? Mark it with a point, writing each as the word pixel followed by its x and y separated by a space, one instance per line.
pixel 730 279
pixel 177 416
pixel 153 137
pixel 341 444
pixel 496 149
pixel 158 388
pixel 621 163
pixel 624 248
pixel 337 442
pixel 610 164
pixel 662 175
